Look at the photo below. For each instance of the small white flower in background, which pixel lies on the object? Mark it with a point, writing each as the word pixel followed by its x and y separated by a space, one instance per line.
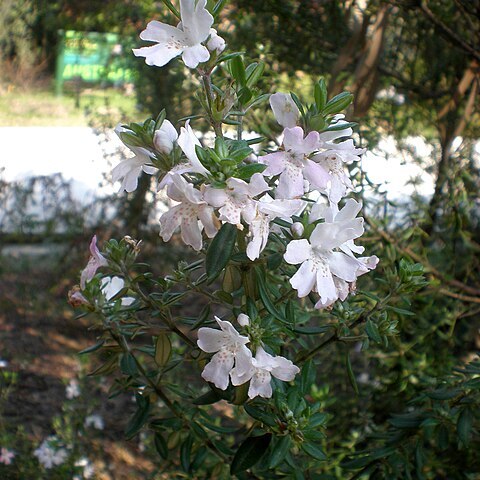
pixel 229 348
pixel 95 421
pixel 284 109
pixel 235 202
pixel 73 390
pixel 3 363
pixel 128 170
pixel 6 456
pixel 111 286
pixel 96 261
pixel 187 213
pixel 260 372
pixel 185 40
pixel 215 42
pixel 294 166
pixel 88 468
pixel 243 320
pixel 50 456
pixel 320 263
pixel 165 137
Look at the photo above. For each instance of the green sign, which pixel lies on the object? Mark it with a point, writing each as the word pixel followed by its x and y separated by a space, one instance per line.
pixel 91 57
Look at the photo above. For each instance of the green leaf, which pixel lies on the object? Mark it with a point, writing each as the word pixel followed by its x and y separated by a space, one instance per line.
pixel 260 415
pixel 93 348
pixel 139 418
pixel 250 452
pixel 338 103
pixel 464 426
pixel 320 93
pixel 207 398
pixel 351 375
pixel 128 365
pixel 255 75
pixel 160 445
pixel 238 70
pixel 163 350
pixel 279 451
pixel 265 298
pixel 372 331
pixel 309 373
pixel 246 172
pixel 314 451
pixel 185 453
pixel 220 251
pixel 298 103
pixel 340 126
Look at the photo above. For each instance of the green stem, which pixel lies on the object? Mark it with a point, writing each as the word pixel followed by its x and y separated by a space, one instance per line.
pixel 207 85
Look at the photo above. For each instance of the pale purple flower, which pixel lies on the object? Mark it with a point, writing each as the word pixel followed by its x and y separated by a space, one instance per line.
pixel 284 109
pixel 229 348
pixel 333 161
pixel 260 372
pixel 236 201
pixel 294 165
pixel 267 210
pixel 49 456
pixel 128 170
pixel 185 39
pixel 320 263
pixel 96 261
pixel 6 456
pixel 192 214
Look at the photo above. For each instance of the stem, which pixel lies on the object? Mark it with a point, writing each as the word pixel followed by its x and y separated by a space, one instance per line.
pixel 207 85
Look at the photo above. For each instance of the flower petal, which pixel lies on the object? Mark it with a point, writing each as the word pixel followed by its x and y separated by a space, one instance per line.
pixel 298 251
pixel 192 56
pixel 218 369
pixel 304 280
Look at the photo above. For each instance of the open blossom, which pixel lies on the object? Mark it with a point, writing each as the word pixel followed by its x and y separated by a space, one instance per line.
pixel 185 39
pixel 128 170
pixel 165 137
pixel 49 456
pixel 267 210
pixel 235 202
pixel 293 164
pixel 260 372
pixel 111 286
pixel 320 263
pixel 333 161
pixel 192 214
pixel 284 109
pixel 6 456
pixel 96 261
pixel 229 348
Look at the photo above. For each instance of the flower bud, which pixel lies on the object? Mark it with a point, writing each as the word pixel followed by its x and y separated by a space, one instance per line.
pixel 297 229
pixel 162 142
pixel 215 43
pixel 75 297
pixel 243 320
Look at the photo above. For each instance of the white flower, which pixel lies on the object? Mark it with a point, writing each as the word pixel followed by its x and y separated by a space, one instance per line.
pixel 185 39
pixel 128 170
pixel 333 161
pixel 187 214
pixel 88 468
pixel 297 229
pixel 236 201
pixel 229 348
pixel 6 456
pixel 49 456
pixel 111 286
pixel 267 210
pixel 96 261
pixel 187 141
pixel 284 109
pixel 3 363
pixel 165 137
pixel 260 372
pixel 294 166
pixel 95 421
pixel 320 263
pixel 72 390
pixel 215 42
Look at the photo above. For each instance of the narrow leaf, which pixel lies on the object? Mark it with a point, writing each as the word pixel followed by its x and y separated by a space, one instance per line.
pixel 220 251
pixel 250 452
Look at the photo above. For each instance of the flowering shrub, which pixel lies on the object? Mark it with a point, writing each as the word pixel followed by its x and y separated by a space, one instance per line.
pixel 274 224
